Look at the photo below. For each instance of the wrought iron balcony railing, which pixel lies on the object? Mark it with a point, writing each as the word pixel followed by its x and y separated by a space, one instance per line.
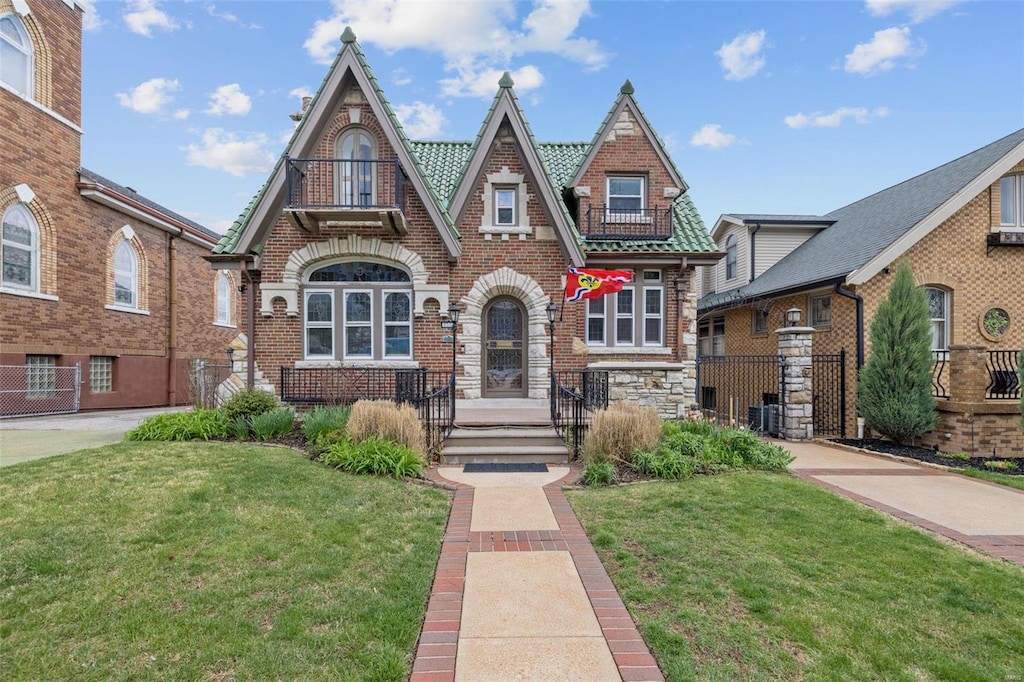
pixel 1003 380
pixel 605 223
pixel 360 184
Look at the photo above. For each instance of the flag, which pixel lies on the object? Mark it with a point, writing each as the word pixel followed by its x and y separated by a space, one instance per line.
pixel 586 283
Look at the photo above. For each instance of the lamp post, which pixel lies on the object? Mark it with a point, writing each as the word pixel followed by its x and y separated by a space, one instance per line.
pixel 552 310
pixel 453 315
pixel 793 317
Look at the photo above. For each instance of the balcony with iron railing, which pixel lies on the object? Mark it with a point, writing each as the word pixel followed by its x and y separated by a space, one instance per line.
pixel 1003 379
pixel 345 192
pixel 606 223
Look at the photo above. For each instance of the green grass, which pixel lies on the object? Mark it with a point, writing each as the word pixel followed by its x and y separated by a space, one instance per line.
pixel 202 561
pixel 763 576
pixel 994 477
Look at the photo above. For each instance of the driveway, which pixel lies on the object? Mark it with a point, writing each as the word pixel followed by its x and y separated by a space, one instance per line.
pixel 23 440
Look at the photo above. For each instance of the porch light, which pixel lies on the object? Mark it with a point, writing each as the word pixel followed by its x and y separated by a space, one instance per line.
pixel 453 313
pixel 793 317
pixel 552 310
pixel 231 356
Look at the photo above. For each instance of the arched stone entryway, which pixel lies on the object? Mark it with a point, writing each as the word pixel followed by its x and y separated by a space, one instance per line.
pixel 523 288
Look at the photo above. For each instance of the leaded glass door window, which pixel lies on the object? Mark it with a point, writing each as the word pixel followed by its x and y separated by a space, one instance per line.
pixel 504 350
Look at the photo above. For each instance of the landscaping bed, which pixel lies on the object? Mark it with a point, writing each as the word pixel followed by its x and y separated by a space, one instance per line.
pixel 1010 466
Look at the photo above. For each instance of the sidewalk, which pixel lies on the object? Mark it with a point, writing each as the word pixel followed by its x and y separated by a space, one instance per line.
pixel 520 593
pixel 979 514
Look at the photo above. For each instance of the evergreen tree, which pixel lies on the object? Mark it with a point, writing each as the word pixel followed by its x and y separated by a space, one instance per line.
pixel 894 391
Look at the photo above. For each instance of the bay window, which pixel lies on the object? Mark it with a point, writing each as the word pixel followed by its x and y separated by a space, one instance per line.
pixel 632 317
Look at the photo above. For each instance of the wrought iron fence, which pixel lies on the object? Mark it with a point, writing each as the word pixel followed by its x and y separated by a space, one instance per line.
pixel 574 396
pixel 437 411
pixel 1003 380
pixel 940 374
pixel 743 390
pixel 606 223
pixel 204 376
pixel 829 380
pixel 345 183
pixel 30 390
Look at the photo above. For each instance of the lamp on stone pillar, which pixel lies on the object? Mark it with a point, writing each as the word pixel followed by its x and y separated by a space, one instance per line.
pixel 793 317
pixel 453 315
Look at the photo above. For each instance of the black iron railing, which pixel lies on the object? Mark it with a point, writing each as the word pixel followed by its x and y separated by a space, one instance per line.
pixel 345 183
pixel 431 393
pixel 574 396
pixel 828 374
pixel 1003 380
pixel 606 223
pixel 743 390
pixel 940 374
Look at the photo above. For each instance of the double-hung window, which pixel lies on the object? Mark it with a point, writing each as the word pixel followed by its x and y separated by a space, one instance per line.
pixel 358 324
pixel 505 206
pixel 632 317
pixel 624 318
pixel 596 321
pixel 626 195
pixel 654 308
pixel 319 324
pixel 711 337
pixel 1011 201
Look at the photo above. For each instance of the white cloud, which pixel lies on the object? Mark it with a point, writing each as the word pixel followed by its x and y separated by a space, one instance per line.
pixel 741 57
pixel 150 97
pixel 473 37
pixel 300 92
pixel 475 81
pixel 181 114
pixel 229 99
pixel 145 15
pixel 712 137
pixel 91 20
pixel 239 156
pixel 212 10
pixel 836 118
pixel 400 77
pixel 919 10
pixel 880 54
pixel 218 225
pixel 421 120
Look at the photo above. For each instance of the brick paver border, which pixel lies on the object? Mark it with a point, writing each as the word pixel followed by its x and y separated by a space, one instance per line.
pixel 438 644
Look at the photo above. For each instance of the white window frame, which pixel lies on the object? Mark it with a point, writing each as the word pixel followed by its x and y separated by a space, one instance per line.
pixel 1016 184
pixel 223 302
pixel 33 249
pixel 384 317
pixel 133 274
pixel 30 64
pixel 101 367
pixel 731 257
pixel 811 318
pixel 307 325
pixel 616 316
pixel 660 316
pixel 601 305
pixel 515 206
pixel 944 319
pixel 346 324
pixel 643 194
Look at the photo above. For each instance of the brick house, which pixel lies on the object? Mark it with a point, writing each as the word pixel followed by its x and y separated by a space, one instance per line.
pixel 961 226
pixel 362 239
pixel 94 274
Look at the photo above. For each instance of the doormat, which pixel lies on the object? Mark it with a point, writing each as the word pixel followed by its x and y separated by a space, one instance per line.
pixel 504 468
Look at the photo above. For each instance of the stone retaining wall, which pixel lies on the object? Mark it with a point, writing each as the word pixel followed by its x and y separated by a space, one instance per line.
pixel 670 387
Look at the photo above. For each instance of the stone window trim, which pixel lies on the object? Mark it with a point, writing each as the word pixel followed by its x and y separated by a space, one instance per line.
pixel 40 71
pixel 505 180
pixel 819 311
pixel 46 284
pixel 127 237
pixel 224 300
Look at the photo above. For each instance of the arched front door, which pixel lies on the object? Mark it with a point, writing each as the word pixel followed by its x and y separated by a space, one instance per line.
pixel 504 349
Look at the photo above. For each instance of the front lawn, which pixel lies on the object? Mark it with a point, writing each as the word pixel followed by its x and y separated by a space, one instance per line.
pixel 207 561
pixel 763 576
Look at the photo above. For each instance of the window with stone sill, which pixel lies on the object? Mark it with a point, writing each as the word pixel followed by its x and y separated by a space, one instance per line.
pixel 126 276
pixel 505 202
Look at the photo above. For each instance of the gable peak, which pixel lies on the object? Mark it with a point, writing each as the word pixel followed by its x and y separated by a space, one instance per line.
pixel 506 80
pixel 627 88
pixel 348 36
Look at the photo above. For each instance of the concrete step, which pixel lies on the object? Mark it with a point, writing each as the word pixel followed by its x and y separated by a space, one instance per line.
pixel 543 436
pixel 462 454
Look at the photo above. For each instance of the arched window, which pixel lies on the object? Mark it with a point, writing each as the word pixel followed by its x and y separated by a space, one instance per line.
pixel 16 56
pixel 126 276
pixel 358 310
pixel 938 310
pixel 355 176
pixel 20 247
pixel 730 257
pixel 224 298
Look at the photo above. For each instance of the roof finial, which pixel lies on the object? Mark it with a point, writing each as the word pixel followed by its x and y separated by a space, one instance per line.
pixel 627 88
pixel 348 36
pixel 506 80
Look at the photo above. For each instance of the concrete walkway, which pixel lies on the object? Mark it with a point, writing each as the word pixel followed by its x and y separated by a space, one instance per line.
pixel 30 438
pixel 982 515
pixel 520 593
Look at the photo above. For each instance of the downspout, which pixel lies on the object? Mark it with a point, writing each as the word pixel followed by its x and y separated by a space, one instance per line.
pixel 757 228
pixel 860 321
pixel 250 324
pixel 172 321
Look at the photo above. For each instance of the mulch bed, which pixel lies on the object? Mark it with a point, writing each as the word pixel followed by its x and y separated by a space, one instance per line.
pixel 932 456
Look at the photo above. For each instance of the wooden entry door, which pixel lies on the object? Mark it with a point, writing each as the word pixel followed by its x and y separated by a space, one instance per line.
pixel 504 349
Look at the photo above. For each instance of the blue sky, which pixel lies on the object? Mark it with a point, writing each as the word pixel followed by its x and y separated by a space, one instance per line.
pixel 771 107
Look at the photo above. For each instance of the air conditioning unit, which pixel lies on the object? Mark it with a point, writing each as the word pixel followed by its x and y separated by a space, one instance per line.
pixel 763 419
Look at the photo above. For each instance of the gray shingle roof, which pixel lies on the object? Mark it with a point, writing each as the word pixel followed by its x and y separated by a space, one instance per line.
pixel 89 176
pixel 866 227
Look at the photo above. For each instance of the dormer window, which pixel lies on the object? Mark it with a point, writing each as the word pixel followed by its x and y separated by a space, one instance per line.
pixel 15 56
pixel 505 206
pixel 626 194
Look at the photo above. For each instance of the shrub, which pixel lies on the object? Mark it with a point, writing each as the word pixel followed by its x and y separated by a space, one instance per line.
pixel 197 425
pixel 375 456
pixel 325 441
pixel 752 451
pixel 249 404
pixel 324 420
pixel 621 429
pixel 599 473
pixel 962 456
pixel 1000 464
pixel 665 463
pixel 696 426
pixel 895 386
pixel 273 424
pixel 387 420
pixel 239 427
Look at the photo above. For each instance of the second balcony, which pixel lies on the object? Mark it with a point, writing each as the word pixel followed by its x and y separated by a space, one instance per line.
pixel 346 193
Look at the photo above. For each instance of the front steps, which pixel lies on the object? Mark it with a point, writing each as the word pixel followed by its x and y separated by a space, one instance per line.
pixel 505 444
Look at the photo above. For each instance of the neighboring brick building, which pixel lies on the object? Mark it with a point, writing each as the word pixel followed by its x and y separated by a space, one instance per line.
pixel 961 227
pixel 362 239
pixel 93 273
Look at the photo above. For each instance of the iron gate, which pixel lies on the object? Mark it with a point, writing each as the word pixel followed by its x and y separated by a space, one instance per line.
pixel 743 390
pixel 30 390
pixel 829 377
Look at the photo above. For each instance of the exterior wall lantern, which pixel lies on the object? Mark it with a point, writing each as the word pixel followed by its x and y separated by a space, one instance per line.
pixel 793 317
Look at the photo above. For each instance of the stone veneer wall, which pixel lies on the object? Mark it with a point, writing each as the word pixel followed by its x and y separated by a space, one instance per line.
pixel 670 387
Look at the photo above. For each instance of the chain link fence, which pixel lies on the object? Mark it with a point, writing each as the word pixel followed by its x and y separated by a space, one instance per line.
pixel 204 376
pixel 31 390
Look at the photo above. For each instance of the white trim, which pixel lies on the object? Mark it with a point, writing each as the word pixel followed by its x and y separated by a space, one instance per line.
pixel 222 276
pixel 345 293
pixel 625 176
pixel 645 316
pixel 226 326
pixel 132 272
pixel 27 294
pixel 40 107
pixel 21 7
pixel 937 217
pixel 25 193
pixel 305 324
pixel 631 317
pixel 629 350
pixel 588 316
pixel 384 321
pixel 34 248
pixel 122 309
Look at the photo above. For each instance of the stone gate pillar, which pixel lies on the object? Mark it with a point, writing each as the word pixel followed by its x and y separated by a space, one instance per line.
pixel 795 345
